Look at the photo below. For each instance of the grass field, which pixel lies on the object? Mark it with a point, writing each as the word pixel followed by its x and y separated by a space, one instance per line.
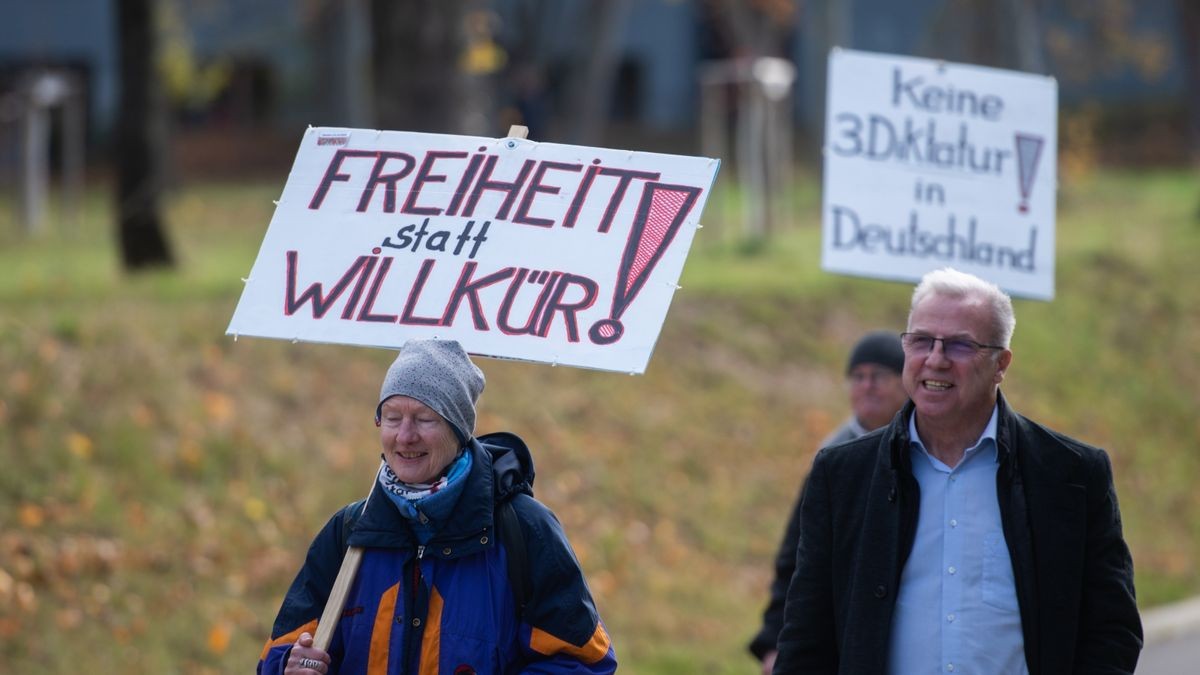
pixel 161 481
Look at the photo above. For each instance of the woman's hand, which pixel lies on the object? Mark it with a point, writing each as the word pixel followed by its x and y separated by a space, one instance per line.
pixel 305 658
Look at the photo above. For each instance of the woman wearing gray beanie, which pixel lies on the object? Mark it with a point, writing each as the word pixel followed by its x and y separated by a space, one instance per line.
pixel 462 570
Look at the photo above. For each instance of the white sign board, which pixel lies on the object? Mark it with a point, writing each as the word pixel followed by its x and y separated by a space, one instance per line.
pixel 554 253
pixel 931 164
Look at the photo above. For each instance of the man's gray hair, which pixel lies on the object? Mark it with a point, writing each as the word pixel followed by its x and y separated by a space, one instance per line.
pixel 955 284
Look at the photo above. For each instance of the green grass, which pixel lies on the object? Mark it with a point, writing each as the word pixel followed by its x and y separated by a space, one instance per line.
pixel 161 482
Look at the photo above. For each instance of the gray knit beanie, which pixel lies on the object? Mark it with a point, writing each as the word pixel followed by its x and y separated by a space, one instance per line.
pixel 880 347
pixel 439 374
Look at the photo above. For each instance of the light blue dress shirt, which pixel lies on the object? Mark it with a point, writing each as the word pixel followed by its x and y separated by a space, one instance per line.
pixel 956 610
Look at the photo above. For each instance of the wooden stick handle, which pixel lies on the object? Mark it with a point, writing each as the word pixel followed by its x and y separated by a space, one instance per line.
pixel 337 598
pixel 518 131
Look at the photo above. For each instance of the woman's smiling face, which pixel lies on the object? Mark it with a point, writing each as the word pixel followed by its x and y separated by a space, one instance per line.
pixel 418 444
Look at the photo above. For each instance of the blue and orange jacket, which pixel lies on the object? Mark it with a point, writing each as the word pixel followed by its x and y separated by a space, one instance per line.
pixel 447 606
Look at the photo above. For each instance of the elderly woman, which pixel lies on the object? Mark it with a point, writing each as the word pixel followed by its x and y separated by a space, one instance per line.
pixel 441 587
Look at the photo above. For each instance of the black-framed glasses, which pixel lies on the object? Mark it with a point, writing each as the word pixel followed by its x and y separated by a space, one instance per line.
pixel 955 349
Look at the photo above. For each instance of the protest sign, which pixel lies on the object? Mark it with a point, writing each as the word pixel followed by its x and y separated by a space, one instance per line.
pixel 554 253
pixel 931 164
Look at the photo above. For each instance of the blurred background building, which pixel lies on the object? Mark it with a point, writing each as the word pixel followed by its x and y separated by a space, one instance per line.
pixel 569 69
pixel 742 80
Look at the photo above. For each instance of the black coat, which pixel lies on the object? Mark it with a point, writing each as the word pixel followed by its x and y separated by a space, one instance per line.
pixel 1058 506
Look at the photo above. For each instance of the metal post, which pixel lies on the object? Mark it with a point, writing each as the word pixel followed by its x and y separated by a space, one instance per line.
pixel 35 139
pixel 73 148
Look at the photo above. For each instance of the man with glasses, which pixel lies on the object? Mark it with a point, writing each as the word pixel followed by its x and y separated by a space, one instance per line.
pixel 963 538
pixel 876 395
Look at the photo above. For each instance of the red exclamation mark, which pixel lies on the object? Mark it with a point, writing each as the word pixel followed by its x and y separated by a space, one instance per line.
pixel 659 215
pixel 1029 150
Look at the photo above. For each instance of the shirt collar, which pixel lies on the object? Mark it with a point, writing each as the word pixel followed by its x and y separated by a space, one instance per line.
pixel 857 427
pixel 989 432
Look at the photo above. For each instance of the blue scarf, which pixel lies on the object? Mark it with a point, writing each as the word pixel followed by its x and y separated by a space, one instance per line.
pixel 427 505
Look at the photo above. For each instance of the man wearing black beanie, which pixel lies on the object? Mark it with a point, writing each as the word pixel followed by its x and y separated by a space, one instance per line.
pixel 876 395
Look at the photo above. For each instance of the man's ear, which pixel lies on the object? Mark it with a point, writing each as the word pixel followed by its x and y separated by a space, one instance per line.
pixel 1002 364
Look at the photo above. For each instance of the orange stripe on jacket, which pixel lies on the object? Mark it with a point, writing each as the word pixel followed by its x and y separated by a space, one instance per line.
pixel 289 638
pixel 381 633
pixel 592 651
pixel 431 643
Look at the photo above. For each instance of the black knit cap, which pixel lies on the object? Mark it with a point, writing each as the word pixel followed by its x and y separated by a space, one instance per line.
pixel 879 347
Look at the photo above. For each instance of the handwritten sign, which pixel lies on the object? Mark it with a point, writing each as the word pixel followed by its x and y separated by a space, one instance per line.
pixel 931 164
pixel 552 253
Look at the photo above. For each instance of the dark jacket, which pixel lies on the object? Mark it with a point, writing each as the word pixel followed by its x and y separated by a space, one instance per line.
pixel 785 557
pixel 1058 507
pixel 448 606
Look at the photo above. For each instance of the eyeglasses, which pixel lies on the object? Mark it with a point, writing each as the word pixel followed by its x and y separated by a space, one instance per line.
pixel 955 349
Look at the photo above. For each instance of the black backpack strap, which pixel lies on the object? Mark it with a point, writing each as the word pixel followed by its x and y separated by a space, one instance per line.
pixel 518 556
pixel 350 516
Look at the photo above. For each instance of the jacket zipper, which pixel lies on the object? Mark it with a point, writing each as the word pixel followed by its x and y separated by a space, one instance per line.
pixel 412 634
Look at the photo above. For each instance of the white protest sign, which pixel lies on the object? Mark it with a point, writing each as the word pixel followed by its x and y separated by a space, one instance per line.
pixel 931 164
pixel 553 253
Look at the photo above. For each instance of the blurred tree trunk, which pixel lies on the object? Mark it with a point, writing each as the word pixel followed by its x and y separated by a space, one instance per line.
pixel 592 85
pixel 1189 25
pixel 140 141
pixel 416 79
pixel 1028 38
pixel 1006 34
pixel 983 41
pixel 526 95
pixel 760 33
pixel 764 27
pixel 823 25
pixel 337 30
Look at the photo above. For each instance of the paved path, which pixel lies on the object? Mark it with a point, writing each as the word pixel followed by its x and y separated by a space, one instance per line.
pixel 1172 640
pixel 1179 656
